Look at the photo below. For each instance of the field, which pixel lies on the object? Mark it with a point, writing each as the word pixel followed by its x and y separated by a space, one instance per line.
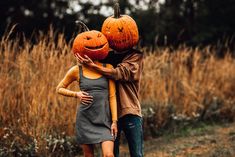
pixel 183 86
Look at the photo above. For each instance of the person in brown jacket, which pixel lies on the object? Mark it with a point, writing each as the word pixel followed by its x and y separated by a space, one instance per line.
pixel 126 71
pixel 122 34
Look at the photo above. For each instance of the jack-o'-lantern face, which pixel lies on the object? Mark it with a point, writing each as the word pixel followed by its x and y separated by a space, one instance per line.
pixel 91 43
pixel 120 30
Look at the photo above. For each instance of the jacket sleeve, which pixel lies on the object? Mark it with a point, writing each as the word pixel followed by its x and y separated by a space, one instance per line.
pixel 130 69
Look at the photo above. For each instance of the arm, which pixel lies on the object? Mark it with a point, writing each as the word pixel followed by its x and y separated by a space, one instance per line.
pixel 106 71
pixel 128 70
pixel 113 105
pixel 112 100
pixel 71 76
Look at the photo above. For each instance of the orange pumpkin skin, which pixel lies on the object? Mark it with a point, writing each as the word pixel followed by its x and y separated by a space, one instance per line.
pixel 91 43
pixel 121 31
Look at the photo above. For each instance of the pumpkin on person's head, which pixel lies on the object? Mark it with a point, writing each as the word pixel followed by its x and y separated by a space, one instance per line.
pixel 91 43
pixel 120 30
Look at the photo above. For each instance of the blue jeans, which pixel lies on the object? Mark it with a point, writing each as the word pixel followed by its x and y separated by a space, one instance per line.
pixel 131 125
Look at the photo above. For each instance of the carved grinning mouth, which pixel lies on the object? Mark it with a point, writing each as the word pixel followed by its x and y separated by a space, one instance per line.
pixel 95 47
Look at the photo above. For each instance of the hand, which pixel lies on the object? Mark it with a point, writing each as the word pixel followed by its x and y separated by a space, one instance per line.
pixel 114 129
pixel 87 61
pixel 84 97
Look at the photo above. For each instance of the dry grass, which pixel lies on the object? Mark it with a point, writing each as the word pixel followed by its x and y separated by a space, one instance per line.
pixel 29 76
pixel 188 81
pixel 189 84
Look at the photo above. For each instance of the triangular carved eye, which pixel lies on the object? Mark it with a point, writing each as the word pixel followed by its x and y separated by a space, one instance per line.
pixel 108 28
pixel 99 35
pixel 120 29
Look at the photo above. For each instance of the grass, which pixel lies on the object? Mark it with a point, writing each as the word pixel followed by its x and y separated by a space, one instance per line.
pixel 201 128
pixel 177 85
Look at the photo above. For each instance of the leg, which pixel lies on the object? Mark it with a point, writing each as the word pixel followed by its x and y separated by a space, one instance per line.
pixel 107 148
pixel 88 150
pixel 132 127
pixel 117 140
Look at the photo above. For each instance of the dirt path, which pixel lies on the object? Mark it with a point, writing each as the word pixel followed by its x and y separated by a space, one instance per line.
pixel 209 141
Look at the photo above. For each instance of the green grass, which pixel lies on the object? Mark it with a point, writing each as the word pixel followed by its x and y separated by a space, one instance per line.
pixel 198 129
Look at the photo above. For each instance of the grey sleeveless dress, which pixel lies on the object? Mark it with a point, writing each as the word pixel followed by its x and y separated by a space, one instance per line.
pixel 93 121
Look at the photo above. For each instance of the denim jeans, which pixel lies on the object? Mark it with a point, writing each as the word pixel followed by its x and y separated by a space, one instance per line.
pixel 131 125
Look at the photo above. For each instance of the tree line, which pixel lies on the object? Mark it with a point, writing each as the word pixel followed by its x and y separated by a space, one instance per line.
pixel 172 22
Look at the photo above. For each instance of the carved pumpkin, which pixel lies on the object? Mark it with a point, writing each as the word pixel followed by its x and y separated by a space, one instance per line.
pixel 120 30
pixel 91 43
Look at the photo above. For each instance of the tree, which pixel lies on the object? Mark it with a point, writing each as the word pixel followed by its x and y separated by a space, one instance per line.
pixel 35 14
pixel 173 22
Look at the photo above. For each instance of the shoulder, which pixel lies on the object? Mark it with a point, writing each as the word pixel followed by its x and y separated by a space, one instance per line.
pixel 135 54
pixel 109 66
pixel 74 70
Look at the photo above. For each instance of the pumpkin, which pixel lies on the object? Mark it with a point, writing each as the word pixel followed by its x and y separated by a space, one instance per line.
pixel 91 43
pixel 120 30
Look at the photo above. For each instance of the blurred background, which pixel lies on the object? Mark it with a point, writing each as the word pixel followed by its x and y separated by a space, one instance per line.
pixel 160 22
pixel 187 88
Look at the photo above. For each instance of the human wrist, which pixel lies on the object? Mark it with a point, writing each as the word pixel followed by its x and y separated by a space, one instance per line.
pixel 95 66
pixel 114 121
pixel 76 94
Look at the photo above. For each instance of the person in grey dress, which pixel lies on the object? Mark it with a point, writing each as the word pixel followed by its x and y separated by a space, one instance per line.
pixel 96 120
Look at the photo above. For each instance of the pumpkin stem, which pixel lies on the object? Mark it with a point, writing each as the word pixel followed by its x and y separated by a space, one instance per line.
pixel 82 26
pixel 116 10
